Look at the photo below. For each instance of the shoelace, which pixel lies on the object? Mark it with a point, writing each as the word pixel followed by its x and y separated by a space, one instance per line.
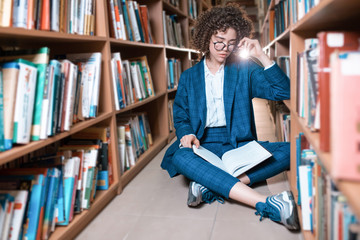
pixel 266 212
pixel 209 197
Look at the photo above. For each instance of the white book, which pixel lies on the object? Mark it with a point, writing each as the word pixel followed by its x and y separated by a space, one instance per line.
pixel 136 81
pixel 91 72
pixel 46 102
pixel 238 160
pixel 164 28
pixel 5 19
pixel 141 81
pixel 19 16
pixel 24 103
pixel 113 19
pixel 114 79
pixel 305 180
pixel 133 21
pixel 122 147
pixel 4 233
pixel 69 98
pixel 20 199
pixel 81 16
pixel 127 78
pixel 54 15
pixel 90 157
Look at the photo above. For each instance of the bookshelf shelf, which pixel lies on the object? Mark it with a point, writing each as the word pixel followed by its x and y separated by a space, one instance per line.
pixel 327 15
pixel 156 107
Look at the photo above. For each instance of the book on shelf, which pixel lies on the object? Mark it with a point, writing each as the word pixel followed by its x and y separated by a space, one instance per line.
pixel 24 103
pixel 17 216
pixel 35 211
pixel 236 161
pixel 40 57
pixel 90 66
pixel 329 42
pixel 105 175
pixel 345 115
pixel 145 74
pixel 10 73
pixel 133 21
pixel 145 21
pixel 118 82
pixel 6 211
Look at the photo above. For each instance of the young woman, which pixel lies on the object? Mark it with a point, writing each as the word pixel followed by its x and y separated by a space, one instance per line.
pixel 213 108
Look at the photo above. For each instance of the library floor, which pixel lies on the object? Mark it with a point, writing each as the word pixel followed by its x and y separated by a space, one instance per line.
pixel 153 206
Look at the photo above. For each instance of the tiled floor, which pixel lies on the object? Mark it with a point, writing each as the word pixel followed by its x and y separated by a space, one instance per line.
pixel 153 206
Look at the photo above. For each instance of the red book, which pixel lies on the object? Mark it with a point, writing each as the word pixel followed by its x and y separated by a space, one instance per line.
pixel 345 115
pixel 328 42
pixel 45 15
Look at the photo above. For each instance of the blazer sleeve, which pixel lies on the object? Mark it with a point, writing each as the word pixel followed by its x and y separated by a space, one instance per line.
pixel 271 84
pixel 181 114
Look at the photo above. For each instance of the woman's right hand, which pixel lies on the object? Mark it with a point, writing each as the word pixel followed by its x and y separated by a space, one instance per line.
pixel 189 140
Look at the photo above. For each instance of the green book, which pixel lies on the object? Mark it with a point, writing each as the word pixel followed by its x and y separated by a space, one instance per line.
pixel 40 57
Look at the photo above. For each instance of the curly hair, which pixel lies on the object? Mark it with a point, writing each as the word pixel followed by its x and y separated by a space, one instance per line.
pixel 220 18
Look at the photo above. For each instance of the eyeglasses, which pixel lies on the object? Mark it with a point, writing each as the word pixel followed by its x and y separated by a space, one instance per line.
pixel 219 46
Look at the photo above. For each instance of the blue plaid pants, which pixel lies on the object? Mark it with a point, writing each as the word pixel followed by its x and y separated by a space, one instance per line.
pixel 220 182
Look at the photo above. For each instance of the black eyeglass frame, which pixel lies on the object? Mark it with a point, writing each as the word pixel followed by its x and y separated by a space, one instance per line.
pixel 225 46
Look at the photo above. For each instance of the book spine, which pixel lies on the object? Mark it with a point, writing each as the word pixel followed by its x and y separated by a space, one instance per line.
pixel 133 21
pixel 19 14
pixel 24 105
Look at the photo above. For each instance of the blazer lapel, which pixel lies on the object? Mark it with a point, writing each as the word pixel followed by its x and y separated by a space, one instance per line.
pixel 199 84
pixel 229 91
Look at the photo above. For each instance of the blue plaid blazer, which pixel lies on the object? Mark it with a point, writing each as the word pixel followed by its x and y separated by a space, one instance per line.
pixel 243 81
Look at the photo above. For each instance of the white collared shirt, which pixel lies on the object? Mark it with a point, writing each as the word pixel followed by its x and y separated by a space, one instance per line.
pixel 214 88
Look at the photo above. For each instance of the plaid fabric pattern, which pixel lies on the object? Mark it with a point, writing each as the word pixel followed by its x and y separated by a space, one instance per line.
pixel 243 81
pixel 218 181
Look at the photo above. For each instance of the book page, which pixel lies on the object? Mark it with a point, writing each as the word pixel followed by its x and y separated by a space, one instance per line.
pixel 209 156
pixel 241 159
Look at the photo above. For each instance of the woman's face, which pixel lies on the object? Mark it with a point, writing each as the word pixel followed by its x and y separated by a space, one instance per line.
pixel 222 44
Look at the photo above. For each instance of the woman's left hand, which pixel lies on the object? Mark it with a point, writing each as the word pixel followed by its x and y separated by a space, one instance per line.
pixel 251 46
pixel 253 49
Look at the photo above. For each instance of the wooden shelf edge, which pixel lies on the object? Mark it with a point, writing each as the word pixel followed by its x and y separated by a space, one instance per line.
pixel 18 151
pixel 80 221
pixel 314 140
pixel 172 135
pixel 138 104
pixel 144 159
pixel 136 44
pixel 21 32
pixel 168 6
pixel 284 35
pixel 351 190
pixel 287 103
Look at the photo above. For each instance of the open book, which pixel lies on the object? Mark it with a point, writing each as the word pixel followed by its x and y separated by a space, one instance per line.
pixel 236 161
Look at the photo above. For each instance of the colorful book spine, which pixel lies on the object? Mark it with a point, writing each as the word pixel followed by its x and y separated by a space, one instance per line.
pixel 10 72
pixel 24 105
pixel 345 115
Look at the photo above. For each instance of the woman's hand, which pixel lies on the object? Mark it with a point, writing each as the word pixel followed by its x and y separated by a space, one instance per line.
pixel 253 49
pixel 189 140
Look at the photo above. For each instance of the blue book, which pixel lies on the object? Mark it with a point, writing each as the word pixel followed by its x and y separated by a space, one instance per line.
pixel 142 132
pixel 35 210
pixel 171 73
pixel 127 20
pixel 59 202
pixel 55 74
pixel 102 180
pixel 52 193
pixel 139 21
pixel 69 184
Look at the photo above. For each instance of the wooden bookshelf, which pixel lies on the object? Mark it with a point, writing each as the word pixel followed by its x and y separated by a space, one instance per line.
pixel 327 15
pixel 156 107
